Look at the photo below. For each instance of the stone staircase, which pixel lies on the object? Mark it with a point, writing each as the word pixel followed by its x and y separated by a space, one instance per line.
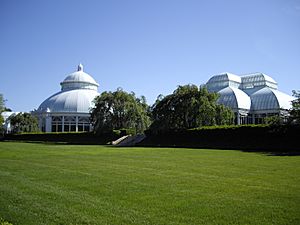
pixel 129 140
pixel 118 141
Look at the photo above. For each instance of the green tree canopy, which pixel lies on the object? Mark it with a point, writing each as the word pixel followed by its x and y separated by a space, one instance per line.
pixel 24 122
pixel 1 124
pixel 295 111
pixel 189 107
pixel 120 110
pixel 2 107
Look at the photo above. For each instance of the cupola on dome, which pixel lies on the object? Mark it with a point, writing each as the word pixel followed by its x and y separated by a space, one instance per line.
pixel 79 80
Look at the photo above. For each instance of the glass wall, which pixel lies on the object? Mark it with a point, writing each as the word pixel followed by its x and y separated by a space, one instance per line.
pixel 70 124
pixel 56 124
pixel 83 124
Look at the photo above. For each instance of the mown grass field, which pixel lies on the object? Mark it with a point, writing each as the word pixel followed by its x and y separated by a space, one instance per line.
pixel 76 184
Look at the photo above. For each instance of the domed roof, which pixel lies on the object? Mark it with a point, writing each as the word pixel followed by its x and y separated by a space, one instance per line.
pixel 78 92
pixel 255 80
pixel 225 77
pixel 78 101
pixel 257 77
pixel 220 81
pixel 270 99
pixel 234 98
pixel 79 79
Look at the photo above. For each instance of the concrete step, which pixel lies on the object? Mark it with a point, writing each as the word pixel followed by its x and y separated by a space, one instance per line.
pixel 131 140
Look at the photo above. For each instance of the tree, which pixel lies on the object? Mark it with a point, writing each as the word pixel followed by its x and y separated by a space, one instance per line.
pixel 24 122
pixel 1 124
pixel 224 115
pixel 295 111
pixel 119 110
pixel 189 107
pixel 275 120
pixel 2 107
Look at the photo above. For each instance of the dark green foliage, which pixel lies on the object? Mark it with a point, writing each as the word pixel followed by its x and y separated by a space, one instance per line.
pixel 119 110
pixel 282 139
pixel 1 110
pixel 65 137
pixel 295 111
pixel 223 115
pixel 189 107
pixel 24 122
pixel 2 106
pixel 1 124
pixel 274 120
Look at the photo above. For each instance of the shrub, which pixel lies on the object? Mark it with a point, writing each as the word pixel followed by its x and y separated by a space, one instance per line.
pixel 243 137
pixel 66 137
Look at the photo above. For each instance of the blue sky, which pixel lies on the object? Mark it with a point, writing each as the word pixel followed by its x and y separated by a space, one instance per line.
pixel 145 46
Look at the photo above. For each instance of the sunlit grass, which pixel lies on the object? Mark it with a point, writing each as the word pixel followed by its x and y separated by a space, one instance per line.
pixel 76 184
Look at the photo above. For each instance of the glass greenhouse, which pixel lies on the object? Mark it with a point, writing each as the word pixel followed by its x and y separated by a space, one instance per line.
pixel 252 97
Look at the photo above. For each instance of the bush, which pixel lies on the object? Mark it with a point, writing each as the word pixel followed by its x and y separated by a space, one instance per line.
pixel 66 137
pixel 129 131
pixel 242 137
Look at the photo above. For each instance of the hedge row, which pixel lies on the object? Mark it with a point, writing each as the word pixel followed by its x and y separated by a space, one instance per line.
pixel 252 138
pixel 71 138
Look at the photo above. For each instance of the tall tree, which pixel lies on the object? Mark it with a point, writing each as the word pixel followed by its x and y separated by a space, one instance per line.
pixel 119 110
pixel 189 107
pixel 295 111
pixel 1 124
pixel 2 107
pixel 24 122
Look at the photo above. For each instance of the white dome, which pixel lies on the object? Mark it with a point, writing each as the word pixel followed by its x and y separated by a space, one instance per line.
pixel 78 92
pixel 234 98
pixel 79 79
pixel 73 101
pixel 270 99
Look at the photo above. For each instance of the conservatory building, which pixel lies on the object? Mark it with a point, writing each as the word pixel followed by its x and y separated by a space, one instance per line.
pixel 252 97
pixel 68 109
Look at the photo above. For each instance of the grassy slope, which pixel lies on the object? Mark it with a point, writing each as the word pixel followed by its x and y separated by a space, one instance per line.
pixel 67 184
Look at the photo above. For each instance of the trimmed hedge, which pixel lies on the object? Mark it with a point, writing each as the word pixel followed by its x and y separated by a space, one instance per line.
pixel 252 138
pixel 71 138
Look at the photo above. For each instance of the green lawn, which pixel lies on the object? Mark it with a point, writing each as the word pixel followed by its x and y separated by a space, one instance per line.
pixel 76 184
